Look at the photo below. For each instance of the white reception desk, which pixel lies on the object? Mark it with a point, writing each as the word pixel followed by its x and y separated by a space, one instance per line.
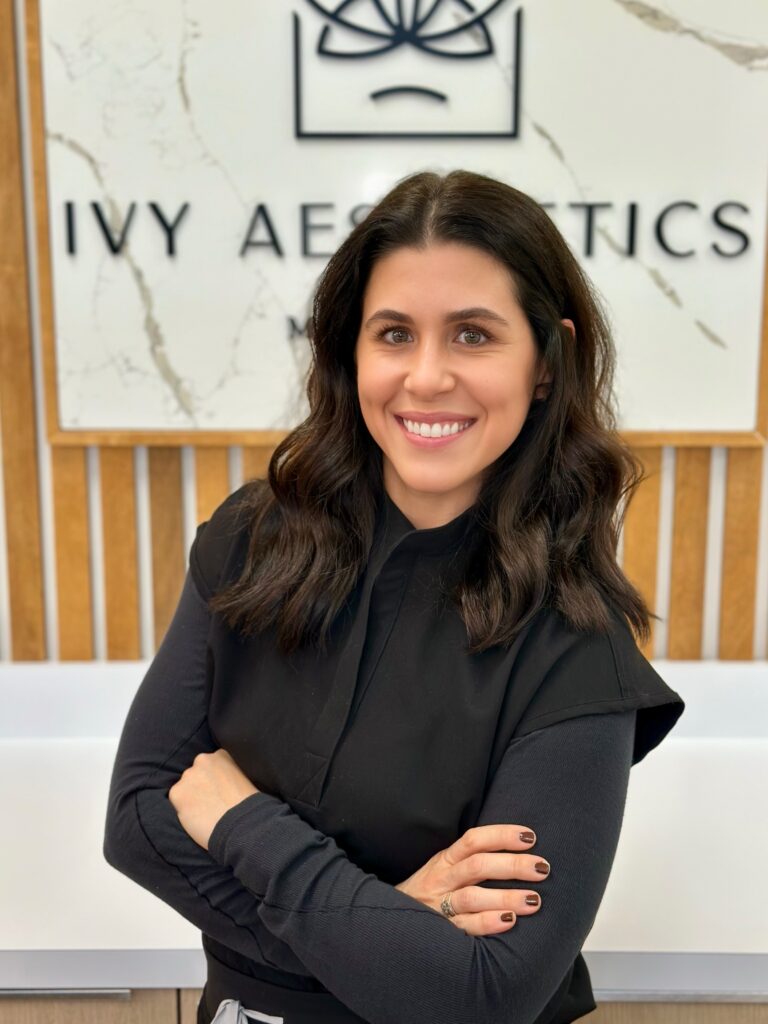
pixel 685 915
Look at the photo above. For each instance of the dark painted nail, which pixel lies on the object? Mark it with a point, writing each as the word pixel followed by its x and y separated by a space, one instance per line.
pixel 527 837
pixel 508 916
pixel 542 867
pixel 532 901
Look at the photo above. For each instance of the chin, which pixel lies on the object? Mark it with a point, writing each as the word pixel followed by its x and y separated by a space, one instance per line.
pixel 419 485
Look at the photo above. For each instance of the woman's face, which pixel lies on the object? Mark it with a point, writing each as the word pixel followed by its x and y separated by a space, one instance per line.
pixel 443 341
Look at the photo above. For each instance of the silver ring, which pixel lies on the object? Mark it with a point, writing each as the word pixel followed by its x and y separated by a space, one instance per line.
pixel 446 907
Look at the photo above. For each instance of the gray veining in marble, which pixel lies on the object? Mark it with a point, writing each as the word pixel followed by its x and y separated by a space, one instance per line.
pixel 752 56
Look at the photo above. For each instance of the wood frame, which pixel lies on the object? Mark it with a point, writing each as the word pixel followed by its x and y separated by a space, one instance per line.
pixel 755 438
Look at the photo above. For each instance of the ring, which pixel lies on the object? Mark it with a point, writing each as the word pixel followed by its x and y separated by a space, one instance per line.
pixel 446 907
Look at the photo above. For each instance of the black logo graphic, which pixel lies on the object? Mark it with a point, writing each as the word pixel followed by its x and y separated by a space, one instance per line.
pixel 406 69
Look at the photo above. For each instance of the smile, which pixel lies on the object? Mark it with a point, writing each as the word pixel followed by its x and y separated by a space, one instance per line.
pixel 425 435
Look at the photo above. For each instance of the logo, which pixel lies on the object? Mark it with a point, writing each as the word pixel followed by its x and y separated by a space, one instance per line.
pixel 407 69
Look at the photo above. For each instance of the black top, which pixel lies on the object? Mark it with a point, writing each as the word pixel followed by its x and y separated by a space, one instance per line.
pixel 370 760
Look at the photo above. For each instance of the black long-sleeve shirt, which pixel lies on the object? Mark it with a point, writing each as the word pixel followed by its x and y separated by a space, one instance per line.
pixel 298 882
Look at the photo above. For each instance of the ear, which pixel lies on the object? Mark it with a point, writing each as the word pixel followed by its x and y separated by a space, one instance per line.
pixel 570 325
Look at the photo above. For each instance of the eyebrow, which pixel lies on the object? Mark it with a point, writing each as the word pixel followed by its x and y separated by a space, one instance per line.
pixel 471 313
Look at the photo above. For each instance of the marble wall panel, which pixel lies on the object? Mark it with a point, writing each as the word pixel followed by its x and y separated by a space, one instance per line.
pixel 150 106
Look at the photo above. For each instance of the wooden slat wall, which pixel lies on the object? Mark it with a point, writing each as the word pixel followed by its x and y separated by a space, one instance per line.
pixel 119 562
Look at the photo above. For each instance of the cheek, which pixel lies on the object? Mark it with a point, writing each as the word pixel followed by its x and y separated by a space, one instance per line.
pixel 374 384
pixel 365 383
pixel 502 389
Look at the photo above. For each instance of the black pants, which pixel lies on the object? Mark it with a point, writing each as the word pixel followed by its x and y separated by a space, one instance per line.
pixel 294 1006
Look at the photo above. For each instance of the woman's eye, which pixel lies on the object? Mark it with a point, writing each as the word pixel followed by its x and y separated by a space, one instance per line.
pixel 396 334
pixel 478 336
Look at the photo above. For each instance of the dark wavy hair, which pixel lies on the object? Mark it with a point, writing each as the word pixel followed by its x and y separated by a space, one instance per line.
pixel 549 509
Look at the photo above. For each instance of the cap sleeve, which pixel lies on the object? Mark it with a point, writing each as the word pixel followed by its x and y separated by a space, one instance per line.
pixel 597 673
pixel 214 541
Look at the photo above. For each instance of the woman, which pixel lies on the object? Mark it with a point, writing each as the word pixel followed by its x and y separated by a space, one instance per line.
pixel 401 682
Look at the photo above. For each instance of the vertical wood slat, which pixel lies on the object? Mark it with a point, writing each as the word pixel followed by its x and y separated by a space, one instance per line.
pixel 121 578
pixel 641 534
pixel 211 480
pixel 17 401
pixel 689 547
pixel 739 575
pixel 256 461
pixel 37 143
pixel 73 576
pixel 166 516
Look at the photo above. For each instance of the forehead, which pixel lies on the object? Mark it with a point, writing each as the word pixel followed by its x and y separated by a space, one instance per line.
pixel 441 271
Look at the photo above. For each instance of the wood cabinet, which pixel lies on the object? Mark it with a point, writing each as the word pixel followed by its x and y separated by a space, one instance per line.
pixel 679 1013
pixel 129 1006
pixel 179 1006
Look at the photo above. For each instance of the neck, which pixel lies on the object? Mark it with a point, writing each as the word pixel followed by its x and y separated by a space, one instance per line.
pixel 427 511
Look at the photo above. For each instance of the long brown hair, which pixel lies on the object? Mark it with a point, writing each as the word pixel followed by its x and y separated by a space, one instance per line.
pixel 550 508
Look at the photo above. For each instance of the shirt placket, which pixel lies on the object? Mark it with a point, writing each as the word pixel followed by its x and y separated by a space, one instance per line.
pixel 382 594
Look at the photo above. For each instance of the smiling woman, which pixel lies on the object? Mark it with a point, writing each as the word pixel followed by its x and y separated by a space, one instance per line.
pixel 405 658
pixel 455 299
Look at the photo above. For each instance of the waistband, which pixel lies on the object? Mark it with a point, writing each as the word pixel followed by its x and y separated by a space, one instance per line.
pixel 293 1005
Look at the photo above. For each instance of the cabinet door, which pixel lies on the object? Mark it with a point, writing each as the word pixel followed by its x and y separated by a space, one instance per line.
pixel 129 1006
pixel 188 1000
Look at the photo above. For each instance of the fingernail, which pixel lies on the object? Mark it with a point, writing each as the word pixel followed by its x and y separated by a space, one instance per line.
pixel 508 916
pixel 527 837
pixel 542 867
pixel 532 901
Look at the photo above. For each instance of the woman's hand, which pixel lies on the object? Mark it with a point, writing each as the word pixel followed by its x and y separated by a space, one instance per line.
pixel 469 860
pixel 206 790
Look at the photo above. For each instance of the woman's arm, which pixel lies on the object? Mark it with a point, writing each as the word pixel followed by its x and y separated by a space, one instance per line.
pixel 393 960
pixel 165 728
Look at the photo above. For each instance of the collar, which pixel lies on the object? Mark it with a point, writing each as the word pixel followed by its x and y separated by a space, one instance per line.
pixel 398 532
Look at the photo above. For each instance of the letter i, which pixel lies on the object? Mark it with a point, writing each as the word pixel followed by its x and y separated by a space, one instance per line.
pixel 69 212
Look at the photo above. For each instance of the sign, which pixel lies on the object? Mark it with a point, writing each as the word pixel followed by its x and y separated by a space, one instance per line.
pixel 204 160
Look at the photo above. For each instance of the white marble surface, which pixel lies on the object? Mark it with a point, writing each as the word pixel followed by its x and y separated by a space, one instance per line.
pixel 187 101
pixel 687 877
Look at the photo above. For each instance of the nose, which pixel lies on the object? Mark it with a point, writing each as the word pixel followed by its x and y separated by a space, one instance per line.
pixel 428 369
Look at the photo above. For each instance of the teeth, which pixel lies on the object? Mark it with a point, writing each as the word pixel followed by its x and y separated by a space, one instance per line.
pixel 435 429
